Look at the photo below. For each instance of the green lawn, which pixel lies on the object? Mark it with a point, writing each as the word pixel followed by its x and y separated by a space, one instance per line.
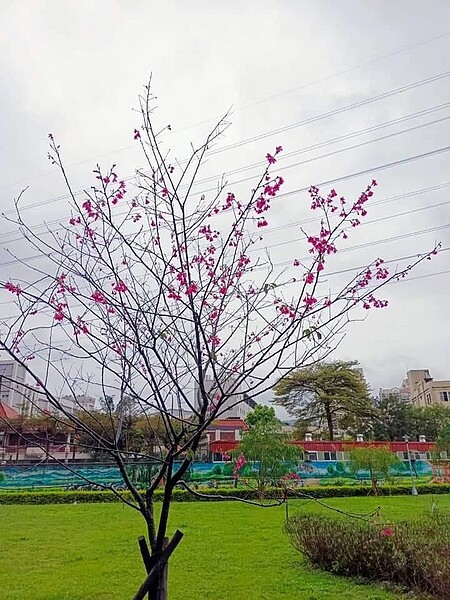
pixel 230 551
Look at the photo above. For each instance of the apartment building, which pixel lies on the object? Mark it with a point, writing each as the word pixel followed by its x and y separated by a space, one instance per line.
pixel 237 405
pixel 13 392
pixel 424 390
pixel 401 393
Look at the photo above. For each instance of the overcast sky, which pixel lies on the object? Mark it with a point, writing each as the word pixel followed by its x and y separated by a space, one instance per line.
pixel 75 68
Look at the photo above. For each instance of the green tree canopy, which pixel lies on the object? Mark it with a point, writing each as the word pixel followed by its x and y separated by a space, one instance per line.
pixel 394 418
pixel 443 438
pixel 266 446
pixel 261 414
pixel 324 394
pixel 428 420
pixel 376 460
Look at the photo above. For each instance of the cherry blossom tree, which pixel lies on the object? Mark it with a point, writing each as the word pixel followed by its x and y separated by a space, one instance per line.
pixel 153 293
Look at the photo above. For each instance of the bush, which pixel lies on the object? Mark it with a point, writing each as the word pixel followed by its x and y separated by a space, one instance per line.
pixel 414 554
pixel 181 495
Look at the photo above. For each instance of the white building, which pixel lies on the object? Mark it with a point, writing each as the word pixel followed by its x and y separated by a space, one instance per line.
pixel 69 404
pixel 401 393
pixel 12 389
pixel 30 401
pixel 236 406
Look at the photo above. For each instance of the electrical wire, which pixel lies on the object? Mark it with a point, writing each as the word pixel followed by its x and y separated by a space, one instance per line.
pixel 258 102
pixel 268 134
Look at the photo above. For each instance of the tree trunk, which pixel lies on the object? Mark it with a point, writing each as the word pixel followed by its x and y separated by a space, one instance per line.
pixel 330 423
pixel 155 584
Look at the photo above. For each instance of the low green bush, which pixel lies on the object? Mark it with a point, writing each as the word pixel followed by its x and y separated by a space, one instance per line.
pixel 414 554
pixel 181 495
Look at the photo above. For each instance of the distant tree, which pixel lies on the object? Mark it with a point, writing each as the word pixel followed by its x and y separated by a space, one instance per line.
pixel 443 437
pixel 428 420
pixel 324 393
pixel 261 414
pixel 393 419
pixel 376 460
pixel 267 448
pixel 300 429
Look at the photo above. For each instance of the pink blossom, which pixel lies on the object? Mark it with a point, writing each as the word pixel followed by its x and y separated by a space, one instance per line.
pixel 120 287
pixel 382 273
pixel 262 223
pixel 182 278
pixel 272 190
pixel 296 263
pixel 191 289
pixel 173 295
pixel 278 149
pixel 271 159
pixel 229 201
pixel 309 278
pixel 92 214
pixel 214 340
pixel 137 135
pixel 238 465
pixel 98 297
pixel 321 245
pixel 309 301
pixel 14 289
pixel 261 205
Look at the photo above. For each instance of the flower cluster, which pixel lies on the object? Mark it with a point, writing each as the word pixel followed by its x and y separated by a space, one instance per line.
pixel 239 464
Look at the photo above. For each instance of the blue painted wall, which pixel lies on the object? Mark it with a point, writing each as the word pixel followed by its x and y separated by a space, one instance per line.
pixel 21 476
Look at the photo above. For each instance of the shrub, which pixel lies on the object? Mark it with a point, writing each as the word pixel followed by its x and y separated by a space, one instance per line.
pixel 180 495
pixel 414 554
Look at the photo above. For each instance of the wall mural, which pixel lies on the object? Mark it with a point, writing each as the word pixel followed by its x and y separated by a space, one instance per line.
pixel 47 475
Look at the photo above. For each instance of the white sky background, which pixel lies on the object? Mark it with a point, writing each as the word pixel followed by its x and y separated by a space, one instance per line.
pixel 76 68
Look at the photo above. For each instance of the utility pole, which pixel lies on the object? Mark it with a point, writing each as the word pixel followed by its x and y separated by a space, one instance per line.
pixel 413 482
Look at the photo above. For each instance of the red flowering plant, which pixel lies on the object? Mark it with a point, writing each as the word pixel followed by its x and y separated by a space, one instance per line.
pixel 151 292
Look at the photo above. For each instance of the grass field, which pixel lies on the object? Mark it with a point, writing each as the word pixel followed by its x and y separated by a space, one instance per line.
pixel 230 551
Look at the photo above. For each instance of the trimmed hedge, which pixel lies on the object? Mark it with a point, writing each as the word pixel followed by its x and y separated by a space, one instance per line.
pixel 180 495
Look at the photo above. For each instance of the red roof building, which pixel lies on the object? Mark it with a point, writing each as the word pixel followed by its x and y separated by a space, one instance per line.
pixel 6 412
pixel 336 450
pixel 227 431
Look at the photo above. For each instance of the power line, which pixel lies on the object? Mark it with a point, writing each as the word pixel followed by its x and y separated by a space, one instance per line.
pixel 334 112
pixel 306 221
pixel 343 250
pixel 257 102
pixel 379 220
pixel 273 132
pixel 387 200
pixel 345 177
pixel 328 274
pixel 341 138
pixel 341 150
pixel 381 167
